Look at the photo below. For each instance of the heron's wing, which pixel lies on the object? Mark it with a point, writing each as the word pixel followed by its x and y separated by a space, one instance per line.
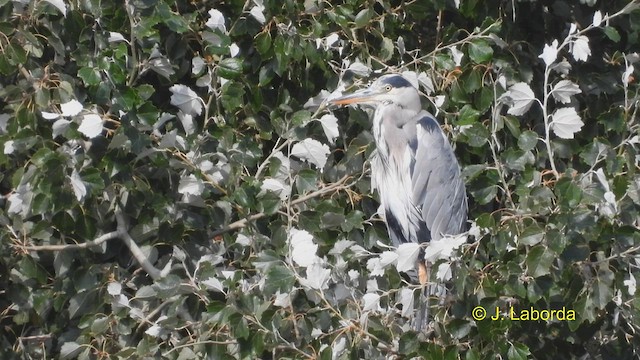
pixel 438 190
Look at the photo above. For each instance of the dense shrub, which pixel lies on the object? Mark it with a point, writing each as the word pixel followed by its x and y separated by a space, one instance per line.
pixel 173 185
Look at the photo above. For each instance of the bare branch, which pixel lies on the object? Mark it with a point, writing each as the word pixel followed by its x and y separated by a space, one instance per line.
pixel 337 186
pixel 62 247
pixel 134 248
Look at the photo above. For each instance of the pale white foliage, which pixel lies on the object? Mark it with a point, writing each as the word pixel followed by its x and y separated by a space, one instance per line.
pixel 330 127
pixel 407 256
pixel 276 186
pixel 71 108
pixel 114 288
pixel 550 53
pixel 444 248
pixel 597 18
pixel 91 125
pixel 580 49
pixel 406 299
pixel 317 277
pixel 371 302
pixel 566 122
pixel 630 283
pixel 457 55
pixel 311 150
pixel 186 99
pixel 216 21
pixel 257 11
pixel 303 249
pixel 190 185
pixel 78 186
pixel 213 284
pixel 563 91
pixel 520 97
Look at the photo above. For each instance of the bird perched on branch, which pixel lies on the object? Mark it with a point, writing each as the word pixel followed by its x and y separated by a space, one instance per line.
pixel 415 171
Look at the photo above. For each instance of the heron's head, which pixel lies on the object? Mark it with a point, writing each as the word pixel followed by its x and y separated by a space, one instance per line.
pixel 387 89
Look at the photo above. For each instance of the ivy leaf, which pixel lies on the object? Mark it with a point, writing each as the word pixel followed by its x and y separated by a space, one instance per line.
pixel 312 151
pixel 230 68
pixel 520 97
pixel 480 51
pixel 566 122
pixel 563 91
pixel 539 261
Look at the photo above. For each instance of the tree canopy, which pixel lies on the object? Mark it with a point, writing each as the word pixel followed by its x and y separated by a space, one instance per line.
pixel 174 186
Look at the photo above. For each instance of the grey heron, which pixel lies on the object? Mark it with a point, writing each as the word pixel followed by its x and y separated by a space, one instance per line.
pixel 415 170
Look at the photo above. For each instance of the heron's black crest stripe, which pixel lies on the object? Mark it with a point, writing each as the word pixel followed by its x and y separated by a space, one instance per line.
pixel 397 81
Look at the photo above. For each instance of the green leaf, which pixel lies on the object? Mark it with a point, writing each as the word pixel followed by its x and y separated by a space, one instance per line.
pixel 301 118
pixel 232 95
pixel 527 140
pixel 408 343
pixel 90 76
pixel 518 351
pixel 263 42
pixel 539 260
pixel 386 49
pixel 478 135
pixel 468 115
pixel 612 33
pixel 307 180
pixel 363 17
pixel 269 203
pixel 602 286
pixel 531 235
pixel 279 278
pixel 472 80
pixel 230 68
pixel 480 51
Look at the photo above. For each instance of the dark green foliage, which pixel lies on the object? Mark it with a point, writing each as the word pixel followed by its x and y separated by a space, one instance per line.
pixel 172 188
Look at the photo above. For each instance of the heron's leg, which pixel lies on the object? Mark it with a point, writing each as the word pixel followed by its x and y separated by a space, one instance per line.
pixel 424 271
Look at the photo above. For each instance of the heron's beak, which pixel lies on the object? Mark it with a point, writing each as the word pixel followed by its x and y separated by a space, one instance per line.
pixel 358 97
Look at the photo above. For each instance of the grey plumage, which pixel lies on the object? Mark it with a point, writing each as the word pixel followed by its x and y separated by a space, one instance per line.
pixel 415 169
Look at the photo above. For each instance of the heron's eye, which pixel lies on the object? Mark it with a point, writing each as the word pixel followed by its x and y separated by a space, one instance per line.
pixel 388 88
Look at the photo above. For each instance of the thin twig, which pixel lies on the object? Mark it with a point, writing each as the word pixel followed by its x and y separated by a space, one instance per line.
pixel 318 193
pixel 134 248
pixel 63 247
